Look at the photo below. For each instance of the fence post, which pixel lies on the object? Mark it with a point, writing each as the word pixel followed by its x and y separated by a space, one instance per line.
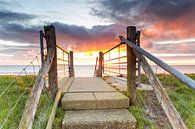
pixel 131 65
pixel 51 45
pixel 100 67
pixel 41 46
pixel 139 65
pixel 71 64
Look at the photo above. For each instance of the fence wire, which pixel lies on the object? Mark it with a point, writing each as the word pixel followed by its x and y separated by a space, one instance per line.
pixel 14 92
pixel 115 64
pixel 181 95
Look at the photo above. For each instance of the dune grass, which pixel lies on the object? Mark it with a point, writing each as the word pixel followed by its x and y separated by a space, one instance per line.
pixel 58 119
pixel 140 113
pixel 19 92
pixel 43 112
pixel 182 96
pixel 10 97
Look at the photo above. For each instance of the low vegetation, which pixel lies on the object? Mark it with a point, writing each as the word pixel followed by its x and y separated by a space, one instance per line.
pixel 182 96
pixel 58 119
pixel 18 92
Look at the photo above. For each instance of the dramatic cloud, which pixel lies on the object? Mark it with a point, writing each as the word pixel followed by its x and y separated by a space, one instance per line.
pixel 20 33
pixel 81 38
pixel 169 9
pixel 158 20
pixel 12 27
pixel 147 10
pixel 72 36
pixel 8 16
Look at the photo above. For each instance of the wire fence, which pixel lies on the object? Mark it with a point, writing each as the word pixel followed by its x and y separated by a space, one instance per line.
pixel 181 95
pixel 15 90
pixel 14 93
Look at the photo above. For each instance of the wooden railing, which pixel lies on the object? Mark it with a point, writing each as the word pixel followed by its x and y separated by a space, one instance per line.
pixel 62 62
pixel 141 52
pixel 49 69
pixel 115 63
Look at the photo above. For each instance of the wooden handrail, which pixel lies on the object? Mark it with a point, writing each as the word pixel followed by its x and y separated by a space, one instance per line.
pixel 62 49
pixel 113 47
pixel 182 77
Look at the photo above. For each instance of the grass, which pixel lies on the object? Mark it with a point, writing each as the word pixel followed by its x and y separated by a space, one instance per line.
pixel 22 85
pixel 10 97
pixel 58 119
pixel 140 113
pixel 182 96
pixel 43 112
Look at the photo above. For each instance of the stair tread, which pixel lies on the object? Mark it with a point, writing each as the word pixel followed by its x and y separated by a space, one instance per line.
pixel 99 119
pixel 102 100
pixel 93 93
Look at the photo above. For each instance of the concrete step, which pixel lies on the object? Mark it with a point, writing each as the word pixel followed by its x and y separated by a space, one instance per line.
pixel 99 100
pixel 99 119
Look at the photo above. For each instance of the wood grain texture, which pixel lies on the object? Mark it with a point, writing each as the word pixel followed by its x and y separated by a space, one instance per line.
pixel 100 66
pixel 50 37
pixel 131 65
pixel 71 64
pixel 32 103
pixel 166 103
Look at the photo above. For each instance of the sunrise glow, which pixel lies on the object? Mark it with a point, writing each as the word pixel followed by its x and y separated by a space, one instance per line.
pixel 96 28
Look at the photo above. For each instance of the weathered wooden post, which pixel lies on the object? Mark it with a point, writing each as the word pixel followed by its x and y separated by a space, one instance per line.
pixel 51 45
pixel 131 65
pixel 41 46
pixel 71 64
pixel 100 67
pixel 139 65
pixel 50 64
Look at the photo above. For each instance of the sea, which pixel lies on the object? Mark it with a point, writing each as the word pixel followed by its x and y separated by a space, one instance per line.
pixel 80 70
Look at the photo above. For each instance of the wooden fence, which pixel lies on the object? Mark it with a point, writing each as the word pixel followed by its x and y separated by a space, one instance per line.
pixel 48 70
pixel 127 65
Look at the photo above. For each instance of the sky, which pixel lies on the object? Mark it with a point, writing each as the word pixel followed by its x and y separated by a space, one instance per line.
pixel 88 26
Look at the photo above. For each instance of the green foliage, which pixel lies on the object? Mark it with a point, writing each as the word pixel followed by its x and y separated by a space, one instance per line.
pixel 58 119
pixel 143 121
pixel 139 112
pixel 22 84
pixel 43 112
pixel 9 99
pixel 182 96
